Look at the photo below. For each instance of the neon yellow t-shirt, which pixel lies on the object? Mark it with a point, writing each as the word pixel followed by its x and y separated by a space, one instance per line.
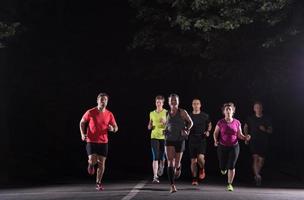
pixel 158 127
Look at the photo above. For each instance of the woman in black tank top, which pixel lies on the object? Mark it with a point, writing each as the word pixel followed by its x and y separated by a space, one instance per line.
pixel 178 125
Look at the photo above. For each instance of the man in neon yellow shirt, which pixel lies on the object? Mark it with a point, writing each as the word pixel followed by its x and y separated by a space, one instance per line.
pixel 157 125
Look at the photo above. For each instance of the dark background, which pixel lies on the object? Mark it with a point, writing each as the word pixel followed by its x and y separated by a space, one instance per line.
pixel 70 51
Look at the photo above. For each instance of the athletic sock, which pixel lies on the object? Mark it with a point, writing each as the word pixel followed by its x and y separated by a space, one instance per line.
pixel 171 175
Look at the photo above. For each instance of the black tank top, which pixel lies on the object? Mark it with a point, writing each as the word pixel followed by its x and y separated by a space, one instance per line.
pixel 175 125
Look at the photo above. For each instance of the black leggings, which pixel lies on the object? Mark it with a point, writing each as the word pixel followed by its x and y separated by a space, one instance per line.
pixel 228 156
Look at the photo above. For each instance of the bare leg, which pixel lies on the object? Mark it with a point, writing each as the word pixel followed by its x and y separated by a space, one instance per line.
pixel 260 164
pixel 101 168
pixel 194 167
pixel 161 166
pixel 92 159
pixel 231 174
pixel 162 162
pixel 155 167
pixel 201 160
pixel 178 159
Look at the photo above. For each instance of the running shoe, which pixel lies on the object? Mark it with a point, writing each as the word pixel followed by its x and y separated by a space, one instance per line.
pixel 229 188
pixel 173 189
pixel 178 172
pixel 202 174
pixel 155 180
pixel 194 182
pixel 99 187
pixel 258 180
pixel 91 169
pixel 223 172
pixel 160 171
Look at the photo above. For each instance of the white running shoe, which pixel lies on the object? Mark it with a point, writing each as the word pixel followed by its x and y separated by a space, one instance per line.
pixel 155 180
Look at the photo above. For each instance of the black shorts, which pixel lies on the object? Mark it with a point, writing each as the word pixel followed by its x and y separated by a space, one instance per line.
pixel 158 149
pixel 228 156
pixel 178 145
pixel 100 149
pixel 196 148
pixel 259 147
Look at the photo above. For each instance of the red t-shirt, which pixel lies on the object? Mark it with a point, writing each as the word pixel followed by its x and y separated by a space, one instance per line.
pixel 98 123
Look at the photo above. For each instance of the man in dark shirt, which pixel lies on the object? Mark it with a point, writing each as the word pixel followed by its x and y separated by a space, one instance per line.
pixel 259 127
pixel 197 140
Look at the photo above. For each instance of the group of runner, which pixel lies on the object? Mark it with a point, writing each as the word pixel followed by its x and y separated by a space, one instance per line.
pixel 169 131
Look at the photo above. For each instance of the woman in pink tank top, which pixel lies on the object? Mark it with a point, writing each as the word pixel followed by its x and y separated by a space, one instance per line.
pixel 226 134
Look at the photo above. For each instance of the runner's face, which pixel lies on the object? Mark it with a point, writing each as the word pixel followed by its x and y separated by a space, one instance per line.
pixel 196 105
pixel 102 101
pixel 228 112
pixel 173 102
pixel 258 108
pixel 159 103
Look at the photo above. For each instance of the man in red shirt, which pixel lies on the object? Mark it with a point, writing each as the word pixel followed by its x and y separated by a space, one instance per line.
pixel 94 127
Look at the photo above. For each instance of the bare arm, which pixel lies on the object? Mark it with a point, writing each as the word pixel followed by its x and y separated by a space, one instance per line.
pixel 188 119
pixel 209 126
pixel 242 136
pixel 83 127
pixel 207 132
pixel 269 129
pixel 150 125
pixel 216 135
pixel 113 128
pixel 246 132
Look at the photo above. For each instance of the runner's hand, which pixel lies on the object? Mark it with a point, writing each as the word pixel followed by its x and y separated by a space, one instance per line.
pixel 247 138
pixel 216 143
pixel 207 133
pixel 83 137
pixel 149 126
pixel 262 128
pixel 185 133
pixel 163 121
pixel 110 128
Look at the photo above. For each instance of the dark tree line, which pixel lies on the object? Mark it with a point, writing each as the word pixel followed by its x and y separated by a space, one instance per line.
pixel 208 35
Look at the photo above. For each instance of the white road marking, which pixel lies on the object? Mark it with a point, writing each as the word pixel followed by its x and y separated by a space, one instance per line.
pixel 135 190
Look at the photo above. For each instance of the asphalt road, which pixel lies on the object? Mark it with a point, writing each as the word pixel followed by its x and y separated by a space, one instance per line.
pixel 144 189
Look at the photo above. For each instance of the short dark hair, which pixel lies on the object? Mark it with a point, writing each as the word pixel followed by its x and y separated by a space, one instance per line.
pixel 173 95
pixel 102 94
pixel 196 99
pixel 228 104
pixel 160 97
pixel 258 102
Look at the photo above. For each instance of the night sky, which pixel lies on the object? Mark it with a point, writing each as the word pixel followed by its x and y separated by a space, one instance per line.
pixel 66 52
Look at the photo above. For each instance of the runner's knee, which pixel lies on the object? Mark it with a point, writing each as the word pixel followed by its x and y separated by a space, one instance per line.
pixel 92 160
pixel 170 162
pixel 193 161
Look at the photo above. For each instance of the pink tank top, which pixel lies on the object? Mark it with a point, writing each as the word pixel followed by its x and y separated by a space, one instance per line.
pixel 229 132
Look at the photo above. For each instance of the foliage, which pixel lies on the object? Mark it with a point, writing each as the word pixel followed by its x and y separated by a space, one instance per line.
pixel 7 31
pixel 196 27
